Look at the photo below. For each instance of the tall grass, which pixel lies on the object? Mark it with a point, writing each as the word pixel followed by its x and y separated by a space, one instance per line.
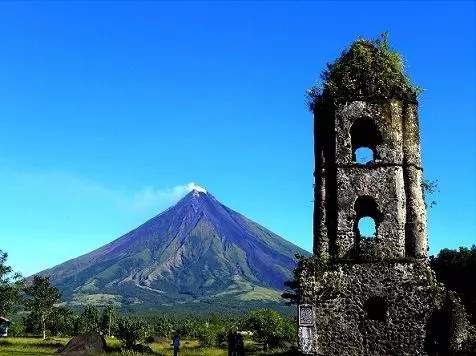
pixel 22 346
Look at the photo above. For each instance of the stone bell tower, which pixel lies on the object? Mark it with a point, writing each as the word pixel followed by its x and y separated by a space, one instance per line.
pixel 387 189
pixel 367 295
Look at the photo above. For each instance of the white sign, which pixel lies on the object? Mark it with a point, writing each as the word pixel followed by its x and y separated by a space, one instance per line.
pixel 306 315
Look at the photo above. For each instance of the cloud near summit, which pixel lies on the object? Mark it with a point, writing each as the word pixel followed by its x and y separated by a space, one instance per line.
pixel 150 198
pixel 45 208
pixel 69 190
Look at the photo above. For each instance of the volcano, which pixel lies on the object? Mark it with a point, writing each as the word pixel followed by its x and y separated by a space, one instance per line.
pixel 196 250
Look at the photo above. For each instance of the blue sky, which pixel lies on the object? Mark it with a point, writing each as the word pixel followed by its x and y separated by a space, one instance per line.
pixel 108 110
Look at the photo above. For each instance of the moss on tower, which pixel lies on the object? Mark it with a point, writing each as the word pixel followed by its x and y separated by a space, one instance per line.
pixel 369 69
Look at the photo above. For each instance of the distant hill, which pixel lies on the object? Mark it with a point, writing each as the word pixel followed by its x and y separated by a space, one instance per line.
pixel 196 254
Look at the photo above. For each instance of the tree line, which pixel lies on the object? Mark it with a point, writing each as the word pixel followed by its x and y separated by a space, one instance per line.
pixel 38 311
pixel 456 269
pixel 43 314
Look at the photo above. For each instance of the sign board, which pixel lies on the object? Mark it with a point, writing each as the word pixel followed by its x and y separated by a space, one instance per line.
pixel 306 315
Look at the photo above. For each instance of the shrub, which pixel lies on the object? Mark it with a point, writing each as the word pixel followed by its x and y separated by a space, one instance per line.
pixel 164 327
pixel 132 331
pixel 469 345
pixel 289 331
pixel 17 329
pixel 211 335
pixel 267 326
pixel 62 322
pixel 368 68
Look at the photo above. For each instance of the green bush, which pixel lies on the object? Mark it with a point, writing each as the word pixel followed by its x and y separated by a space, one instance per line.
pixel 32 324
pixel 289 331
pixel 108 320
pixel 267 326
pixel 469 345
pixel 132 331
pixel 367 69
pixel 16 329
pixel 164 327
pixel 211 335
pixel 186 328
pixel 62 322
pixel 456 269
pixel 88 320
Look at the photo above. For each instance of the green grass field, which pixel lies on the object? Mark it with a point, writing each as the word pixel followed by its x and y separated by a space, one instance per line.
pixel 38 347
pixel 12 346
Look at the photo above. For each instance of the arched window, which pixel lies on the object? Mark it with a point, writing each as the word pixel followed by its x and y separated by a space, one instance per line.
pixel 367 227
pixel 363 155
pixel 365 137
pixel 368 217
pixel 376 309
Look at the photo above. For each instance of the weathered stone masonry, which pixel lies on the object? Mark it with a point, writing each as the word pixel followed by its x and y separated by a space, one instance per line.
pixel 375 296
pixel 387 189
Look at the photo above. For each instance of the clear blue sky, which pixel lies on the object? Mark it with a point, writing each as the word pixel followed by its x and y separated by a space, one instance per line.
pixel 108 110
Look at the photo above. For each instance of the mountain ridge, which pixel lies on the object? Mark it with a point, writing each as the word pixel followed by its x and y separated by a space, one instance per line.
pixel 197 249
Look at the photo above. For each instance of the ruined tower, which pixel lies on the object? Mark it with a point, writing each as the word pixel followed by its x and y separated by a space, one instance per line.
pixel 367 295
pixel 387 189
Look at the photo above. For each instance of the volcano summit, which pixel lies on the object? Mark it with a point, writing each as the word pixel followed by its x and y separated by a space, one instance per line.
pixel 197 250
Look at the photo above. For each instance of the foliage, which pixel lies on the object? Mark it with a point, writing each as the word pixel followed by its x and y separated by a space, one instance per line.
pixel 368 69
pixel 212 331
pixel 61 322
pixel 35 346
pixel 32 324
pixel 130 353
pixel 430 187
pixel 40 298
pixel 16 329
pixel 457 270
pixel 164 327
pixel 192 326
pixel 267 326
pixel 215 319
pixel 11 284
pixel 108 320
pixel 88 320
pixel 289 331
pixel 211 334
pixel 132 331
pixel 469 344
pixel 322 269
pixel 292 295
pixel 186 328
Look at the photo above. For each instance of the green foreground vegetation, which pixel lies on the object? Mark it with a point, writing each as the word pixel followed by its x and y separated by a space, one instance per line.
pixel 30 346
pixel 266 329
pixel 34 311
pixel 22 346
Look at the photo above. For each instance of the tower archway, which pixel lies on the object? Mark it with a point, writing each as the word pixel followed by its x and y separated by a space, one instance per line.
pixel 365 137
pixel 365 206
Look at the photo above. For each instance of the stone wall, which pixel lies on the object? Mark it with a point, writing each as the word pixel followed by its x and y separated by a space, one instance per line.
pixel 389 196
pixel 384 308
pixel 393 179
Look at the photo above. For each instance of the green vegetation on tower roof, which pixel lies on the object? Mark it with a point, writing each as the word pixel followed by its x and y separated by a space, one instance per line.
pixel 367 70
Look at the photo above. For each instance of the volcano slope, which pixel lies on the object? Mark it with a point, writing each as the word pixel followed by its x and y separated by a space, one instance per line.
pixel 197 251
